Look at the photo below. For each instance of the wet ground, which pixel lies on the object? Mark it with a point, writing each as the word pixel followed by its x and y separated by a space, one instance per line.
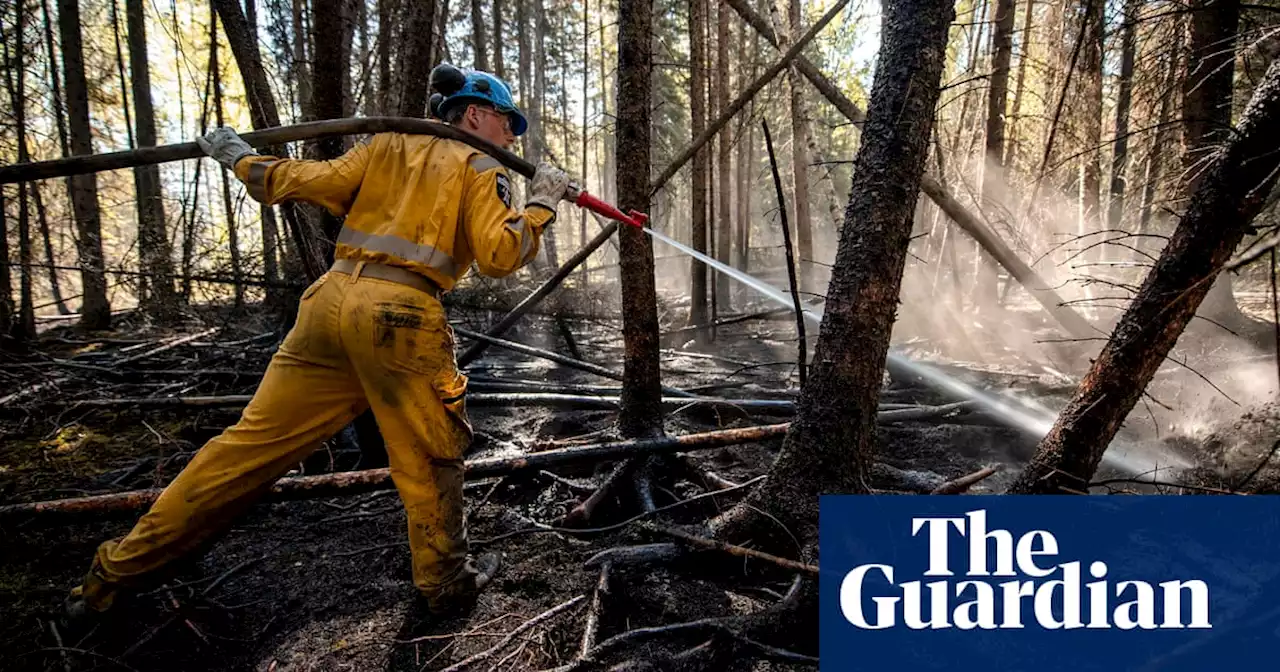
pixel 324 584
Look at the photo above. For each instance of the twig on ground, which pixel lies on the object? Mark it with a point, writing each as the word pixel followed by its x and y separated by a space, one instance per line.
pixel 962 484
pixel 536 620
pixel 592 627
pixel 731 549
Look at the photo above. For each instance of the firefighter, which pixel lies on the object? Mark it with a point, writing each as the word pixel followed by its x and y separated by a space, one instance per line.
pixel 370 333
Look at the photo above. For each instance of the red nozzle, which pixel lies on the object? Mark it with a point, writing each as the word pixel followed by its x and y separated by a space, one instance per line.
pixel 585 200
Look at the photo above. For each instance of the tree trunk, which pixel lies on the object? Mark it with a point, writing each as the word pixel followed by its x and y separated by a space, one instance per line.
pixel 993 176
pixel 499 65
pixel 159 300
pixel 1091 90
pixel 276 300
pixel 301 64
pixel 1206 116
pixel 1124 97
pixel 6 278
pixel 25 327
pixel 641 412
pixel 745 165
pixel 42 219
pixel 1011 147
pixel 478 51
pixel 233 238
pixel 829 446
pixel 386 35
pixel 1155 158
pixel 698 122
pixel 124 85
pixel 95 311
pixel 1231 189
pixel 415 58
pixel 583 278
pixel 59 119
pixel 525 52
pixel 799 155
pixel 724 211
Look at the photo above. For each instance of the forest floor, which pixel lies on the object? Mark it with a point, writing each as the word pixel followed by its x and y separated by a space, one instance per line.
pixel 324 584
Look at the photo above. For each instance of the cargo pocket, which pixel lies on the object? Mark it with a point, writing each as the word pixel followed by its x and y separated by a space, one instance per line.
pixel 451 388
pixel 411 338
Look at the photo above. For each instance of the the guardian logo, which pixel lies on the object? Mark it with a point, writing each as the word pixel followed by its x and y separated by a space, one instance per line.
pixel 1037 590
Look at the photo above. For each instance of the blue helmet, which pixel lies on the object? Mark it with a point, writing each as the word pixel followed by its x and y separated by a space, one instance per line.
pixel 481 87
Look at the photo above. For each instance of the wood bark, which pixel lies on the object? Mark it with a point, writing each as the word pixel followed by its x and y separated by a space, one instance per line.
pixel 1124 98
pixel 158 298
pixel 1024 54
pixel 641 413
pixel 387 103
pixel 829 446
pixel 233 237
pixel 1206 123
pixel 478 52
pixel 414 62
pixel 499 60
pixel 724 168
pixel 1091 98
pixel 15 61
pixel 698 311
pixel 95 310
pixel 799 156
pixel 1232 188
pixel 301 62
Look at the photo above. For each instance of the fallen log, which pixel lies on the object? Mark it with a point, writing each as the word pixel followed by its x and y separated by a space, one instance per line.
pixel 554 357
pixel 962 484
pixel 356 482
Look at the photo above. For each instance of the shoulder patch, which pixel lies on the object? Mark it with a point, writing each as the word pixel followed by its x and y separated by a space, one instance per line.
pixel 504 189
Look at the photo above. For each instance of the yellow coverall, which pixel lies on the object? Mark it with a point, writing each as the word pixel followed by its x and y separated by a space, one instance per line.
pixel 417 202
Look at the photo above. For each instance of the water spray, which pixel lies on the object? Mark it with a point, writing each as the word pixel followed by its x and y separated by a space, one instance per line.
pixel 1121 455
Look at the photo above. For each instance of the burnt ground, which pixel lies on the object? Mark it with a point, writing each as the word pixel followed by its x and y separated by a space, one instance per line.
pixel 324 584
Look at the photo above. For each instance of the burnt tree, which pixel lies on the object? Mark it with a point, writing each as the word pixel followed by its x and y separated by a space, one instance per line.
pixel 1233 186
pixel 641 412
pixel 1124 98
pixel 95 310
pixel 699 173
pixel 25 327
pixel 829 446
pixel 1206 123
pixel 157 298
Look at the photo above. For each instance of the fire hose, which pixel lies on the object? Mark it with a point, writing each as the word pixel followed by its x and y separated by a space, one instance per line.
pixel 269 137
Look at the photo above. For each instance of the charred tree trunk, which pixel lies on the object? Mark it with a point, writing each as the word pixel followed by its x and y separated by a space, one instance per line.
pixel 1124 97
pixel 799 155
pixel 583 278
pixel 525 51
pixel 641 412
pixel 387 102
pixel 1231 189
pixel 25 327
pixel 1011 147
pixel 698 122
pixel 499 64
pixel 724 168
pixel 1091 90
pixel 1206 117
pixel 159 300
pixel 233 238
pixel 1155 158
pixel 481 56
pixel 415 58
pixel 993 177
pixel 6 278
pixel 829 446
pixel 301 63
pixel 327 70
pixel 95 310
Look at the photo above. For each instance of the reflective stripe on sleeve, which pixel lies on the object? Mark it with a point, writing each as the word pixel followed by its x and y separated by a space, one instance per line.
pixel 484 162
pixel 256 184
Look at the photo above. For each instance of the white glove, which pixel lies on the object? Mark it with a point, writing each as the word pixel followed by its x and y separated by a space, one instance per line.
pixel 225 146
pixel 548 186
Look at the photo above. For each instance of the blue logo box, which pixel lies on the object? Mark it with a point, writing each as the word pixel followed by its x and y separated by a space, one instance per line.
pixel 1048 584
